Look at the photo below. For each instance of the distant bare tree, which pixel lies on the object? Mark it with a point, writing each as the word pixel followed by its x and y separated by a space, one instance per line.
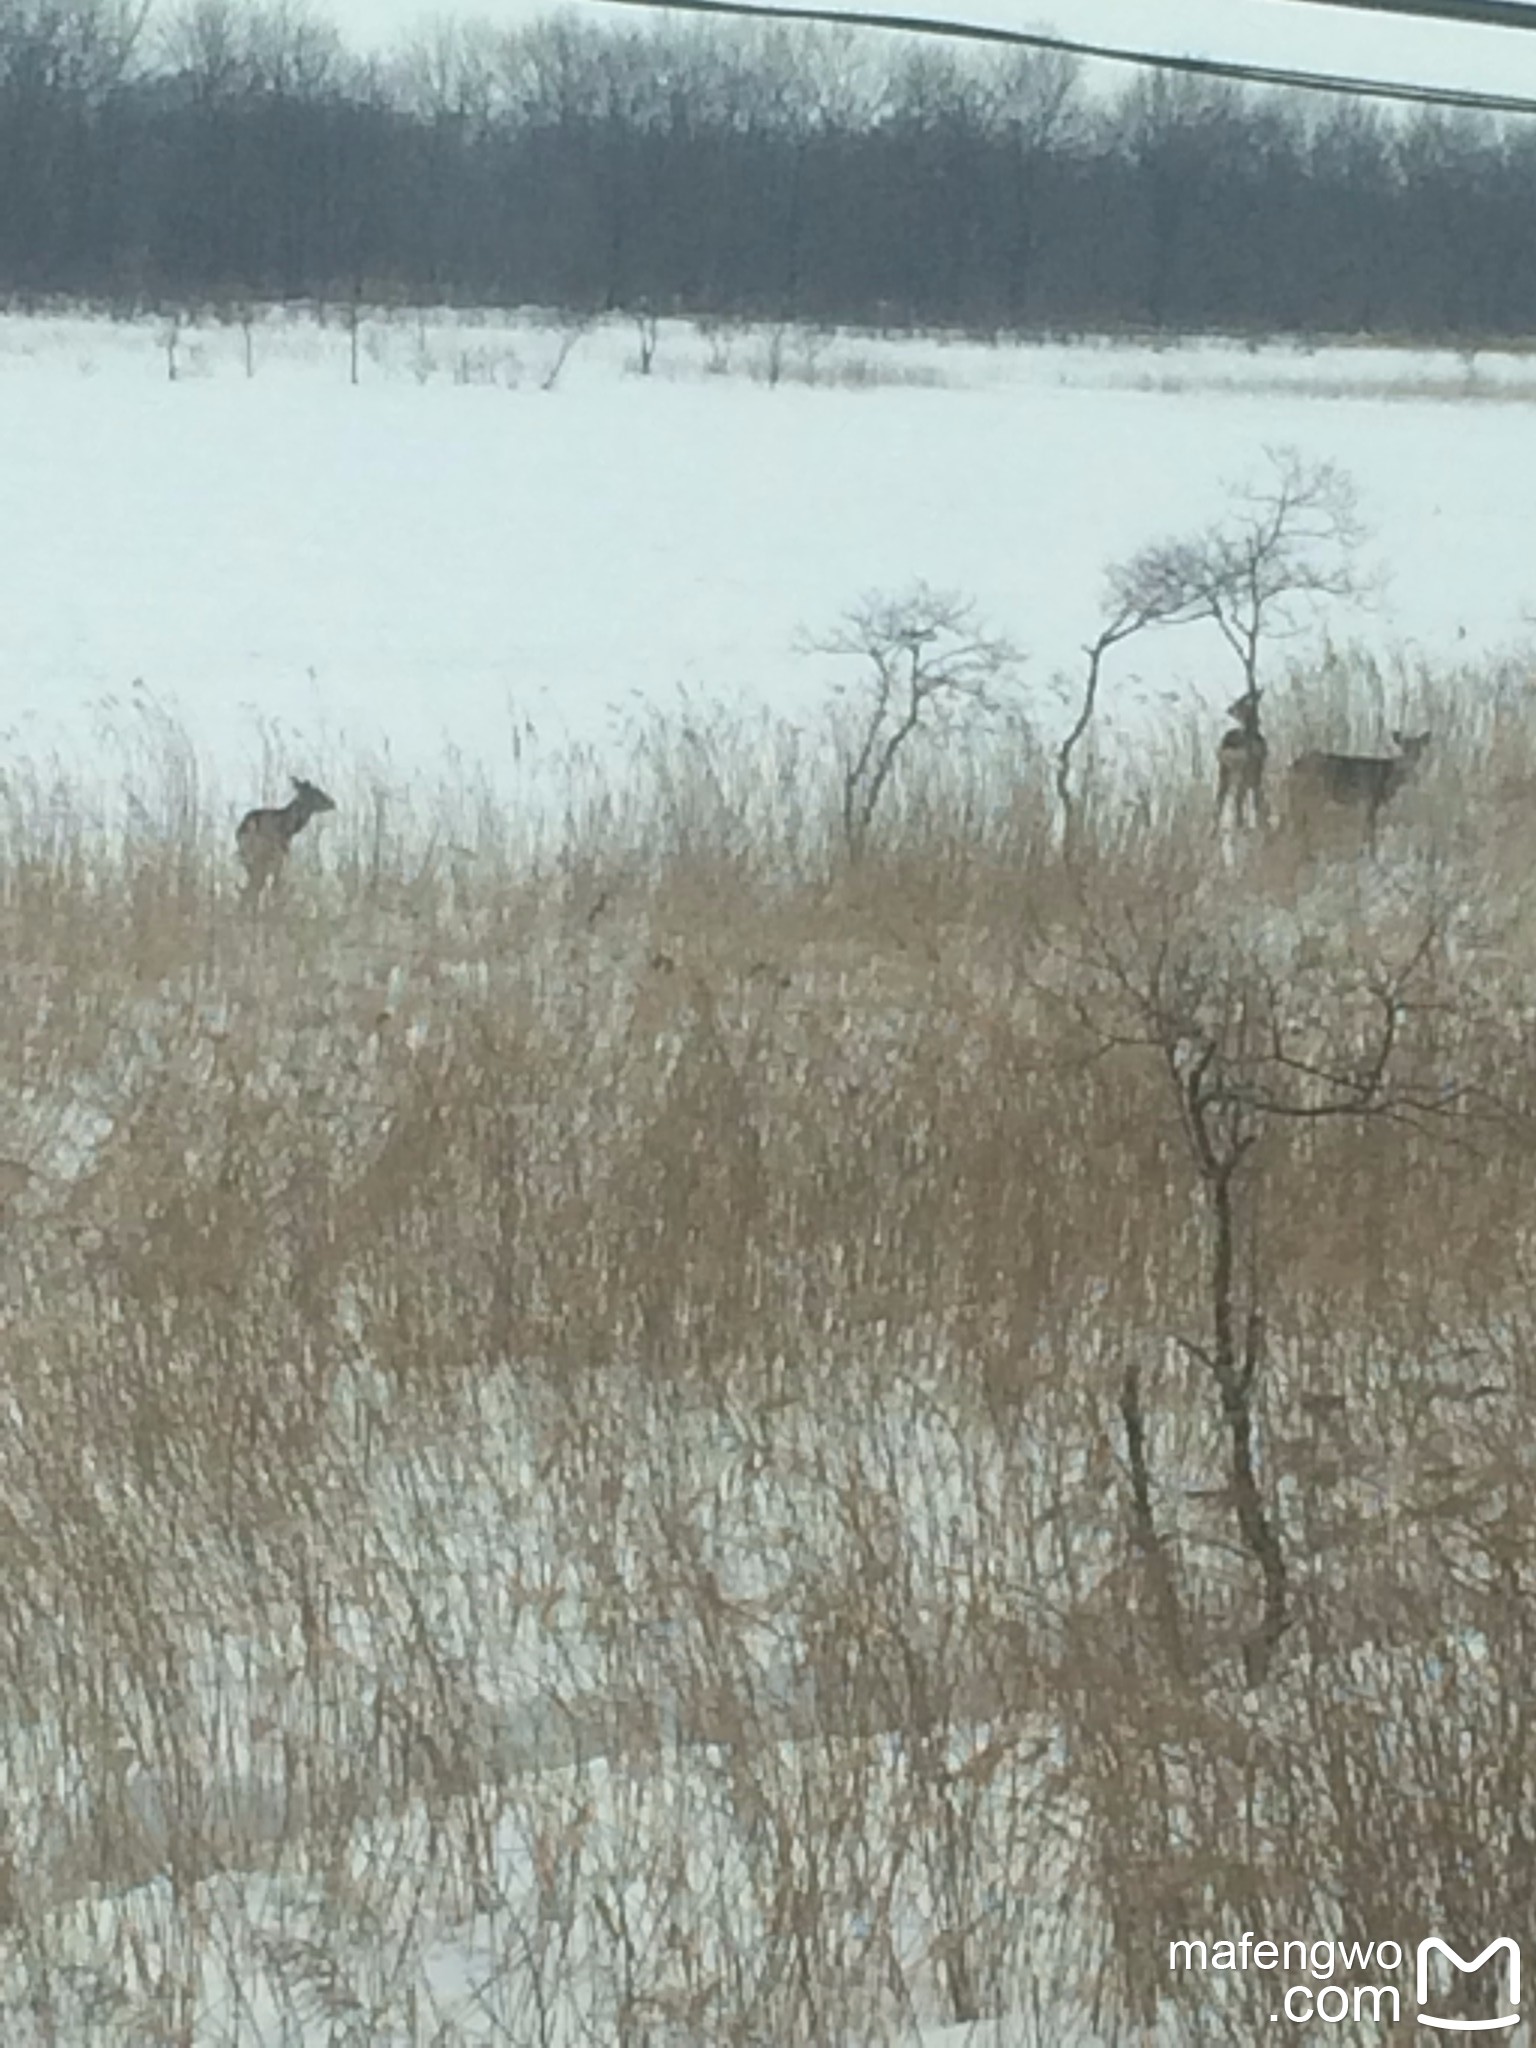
pixel 570 331
pixel 448 72
pixel 924 662
pixel 1289 543
pixel 206 43
pixel 1132 610
pixel 648 335
pixel 294 51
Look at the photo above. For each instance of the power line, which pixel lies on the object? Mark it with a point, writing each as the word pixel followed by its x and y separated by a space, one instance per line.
pixel 1474 13
pixel 1197 67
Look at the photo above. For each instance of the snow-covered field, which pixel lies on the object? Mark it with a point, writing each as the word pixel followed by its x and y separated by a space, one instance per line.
pixel 423 564
pixel 532 1716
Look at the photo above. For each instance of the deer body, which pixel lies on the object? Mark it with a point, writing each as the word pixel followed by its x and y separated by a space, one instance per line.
pixel 1240 761
pixel 263 837
pixel 1362 783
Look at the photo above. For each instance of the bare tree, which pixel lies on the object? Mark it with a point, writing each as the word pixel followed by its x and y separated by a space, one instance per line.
pixel 1131 611
pixel 569 331
pixel 295 52
pixel 647 333
pixel 447 72
pixel 1289 543
pixel 206 43
pixel 925 662
pixel 1245 1050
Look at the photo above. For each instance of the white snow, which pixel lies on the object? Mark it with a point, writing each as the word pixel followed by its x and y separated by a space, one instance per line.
pixel 417 568
pixel 421 566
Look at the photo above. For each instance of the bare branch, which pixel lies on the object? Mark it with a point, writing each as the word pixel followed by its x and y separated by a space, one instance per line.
pixel 925 665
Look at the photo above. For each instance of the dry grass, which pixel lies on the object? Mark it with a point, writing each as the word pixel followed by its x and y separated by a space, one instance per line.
pixel 622 1440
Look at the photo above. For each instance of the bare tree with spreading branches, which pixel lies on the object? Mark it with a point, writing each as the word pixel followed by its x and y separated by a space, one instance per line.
pixel 926 663
pixel 1246 1049
pixel 1289 543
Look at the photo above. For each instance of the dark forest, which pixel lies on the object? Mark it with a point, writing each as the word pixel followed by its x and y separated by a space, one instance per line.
pixel 222 153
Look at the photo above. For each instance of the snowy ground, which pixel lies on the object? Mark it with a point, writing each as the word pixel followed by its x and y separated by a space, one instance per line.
pixel 419 567
pixel 424 564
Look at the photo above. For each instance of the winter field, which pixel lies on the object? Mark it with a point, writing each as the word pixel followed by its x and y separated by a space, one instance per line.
pixel 634 1416
pixel 432 563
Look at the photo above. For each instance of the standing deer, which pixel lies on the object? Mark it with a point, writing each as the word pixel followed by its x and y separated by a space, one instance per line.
pixel 1361 783
pixel 264 837
pixel 1240 760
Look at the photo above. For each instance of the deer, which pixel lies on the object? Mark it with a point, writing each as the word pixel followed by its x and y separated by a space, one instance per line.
pixel 263 838
pixel 1362 783
pixel 1240 760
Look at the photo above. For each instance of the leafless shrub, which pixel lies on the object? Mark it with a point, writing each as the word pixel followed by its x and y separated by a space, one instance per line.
pixel 719 337
pixel 867 373
pixel 926 665
pixel 769 365
pixel 170 342
pixel 486 365
pixel 648 338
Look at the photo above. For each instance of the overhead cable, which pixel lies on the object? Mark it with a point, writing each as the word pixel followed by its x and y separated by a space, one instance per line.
pixel 1151 60
pixel 1465 13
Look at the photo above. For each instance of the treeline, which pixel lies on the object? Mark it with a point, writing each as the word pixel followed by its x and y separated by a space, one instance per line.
pixel 736 170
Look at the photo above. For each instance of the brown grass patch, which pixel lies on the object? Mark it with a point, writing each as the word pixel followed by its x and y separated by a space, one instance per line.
pixel 651 1409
